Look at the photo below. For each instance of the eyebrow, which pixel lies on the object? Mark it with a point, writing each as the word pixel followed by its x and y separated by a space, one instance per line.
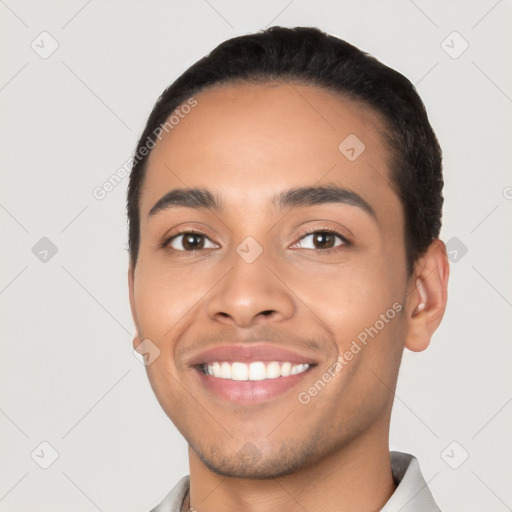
pixel 201 198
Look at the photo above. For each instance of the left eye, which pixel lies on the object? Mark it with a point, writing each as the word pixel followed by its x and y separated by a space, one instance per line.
pixel 322 240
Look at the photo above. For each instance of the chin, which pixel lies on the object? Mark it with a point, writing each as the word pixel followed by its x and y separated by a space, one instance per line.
pixel 249 462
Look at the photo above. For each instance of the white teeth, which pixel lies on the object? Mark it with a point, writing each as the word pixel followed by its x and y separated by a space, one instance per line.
pixel 225 370
pixel 298 368
pixel 239 371
pixel 257 370
pixel 285 369
pixel 273 370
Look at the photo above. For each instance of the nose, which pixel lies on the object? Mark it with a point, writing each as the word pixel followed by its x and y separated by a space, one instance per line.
pixel 251 293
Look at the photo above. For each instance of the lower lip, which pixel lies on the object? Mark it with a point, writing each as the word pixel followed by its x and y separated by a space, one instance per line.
pixel 250 391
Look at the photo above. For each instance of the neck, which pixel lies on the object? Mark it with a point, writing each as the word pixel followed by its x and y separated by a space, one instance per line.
pixel 355 477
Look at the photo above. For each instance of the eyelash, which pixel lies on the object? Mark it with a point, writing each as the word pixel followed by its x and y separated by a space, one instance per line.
pixel 346 242
pixel 331 231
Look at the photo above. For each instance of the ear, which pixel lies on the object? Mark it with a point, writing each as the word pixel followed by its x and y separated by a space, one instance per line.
pixel 427 295
pixel 131 292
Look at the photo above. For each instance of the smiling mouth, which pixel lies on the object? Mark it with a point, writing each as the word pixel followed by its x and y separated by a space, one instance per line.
pixel 251 383
pixel 254 371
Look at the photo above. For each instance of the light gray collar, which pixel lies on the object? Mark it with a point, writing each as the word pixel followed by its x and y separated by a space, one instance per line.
pixel 411 495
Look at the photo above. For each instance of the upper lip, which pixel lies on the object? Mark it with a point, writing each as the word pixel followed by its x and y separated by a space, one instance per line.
pixel 247 353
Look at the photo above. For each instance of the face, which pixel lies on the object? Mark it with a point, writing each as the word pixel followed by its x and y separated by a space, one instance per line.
pixel 260 273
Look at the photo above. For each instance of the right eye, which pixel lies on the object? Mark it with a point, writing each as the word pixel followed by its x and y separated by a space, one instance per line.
pixel 189 241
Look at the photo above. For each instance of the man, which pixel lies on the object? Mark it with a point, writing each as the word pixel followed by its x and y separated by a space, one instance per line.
pixel 284 211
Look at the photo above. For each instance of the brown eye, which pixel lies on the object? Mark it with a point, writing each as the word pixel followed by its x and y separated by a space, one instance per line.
pixel 324 240
pixel 321 240
pixel 190 241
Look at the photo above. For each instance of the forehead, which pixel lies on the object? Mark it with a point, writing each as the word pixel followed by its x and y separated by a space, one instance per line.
pixel 248 141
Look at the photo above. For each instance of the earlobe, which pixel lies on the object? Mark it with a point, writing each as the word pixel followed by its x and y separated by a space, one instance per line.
pixel 427 297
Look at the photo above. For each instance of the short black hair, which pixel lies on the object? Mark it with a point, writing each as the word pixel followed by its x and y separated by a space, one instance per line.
pixel 309 56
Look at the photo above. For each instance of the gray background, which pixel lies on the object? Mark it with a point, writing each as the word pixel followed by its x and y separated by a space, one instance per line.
pixel 70 120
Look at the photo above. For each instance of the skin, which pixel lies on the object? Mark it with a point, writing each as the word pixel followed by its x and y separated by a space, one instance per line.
pixel 246 143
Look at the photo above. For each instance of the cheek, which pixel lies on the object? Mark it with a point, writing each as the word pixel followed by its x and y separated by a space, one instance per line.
pixel 161 301
pixel 161 286
pixel 361 306
pixel 154 309
pixel 348 297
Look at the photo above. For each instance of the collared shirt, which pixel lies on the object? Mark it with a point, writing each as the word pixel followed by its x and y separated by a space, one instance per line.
pixel 411 495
